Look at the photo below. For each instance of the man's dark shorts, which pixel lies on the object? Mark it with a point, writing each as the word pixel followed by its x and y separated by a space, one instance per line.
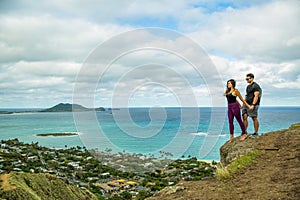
pixel 250 113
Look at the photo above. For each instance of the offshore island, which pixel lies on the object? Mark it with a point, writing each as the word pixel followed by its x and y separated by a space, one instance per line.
pixel 56 134
pixel 61 107
pixel 67 107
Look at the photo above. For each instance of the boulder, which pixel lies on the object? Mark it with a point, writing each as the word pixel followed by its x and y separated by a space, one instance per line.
pixel 233 150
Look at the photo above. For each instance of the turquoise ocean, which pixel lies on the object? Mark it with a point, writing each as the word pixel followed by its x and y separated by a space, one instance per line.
pixel 190 134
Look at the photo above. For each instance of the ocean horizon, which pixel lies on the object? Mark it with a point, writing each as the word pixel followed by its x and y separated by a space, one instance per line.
pixel 181 131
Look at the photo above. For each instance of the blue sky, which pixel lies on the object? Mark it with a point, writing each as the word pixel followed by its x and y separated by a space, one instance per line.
pixel 44 46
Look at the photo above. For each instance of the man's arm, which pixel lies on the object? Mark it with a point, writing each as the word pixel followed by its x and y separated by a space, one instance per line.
pixel 255 99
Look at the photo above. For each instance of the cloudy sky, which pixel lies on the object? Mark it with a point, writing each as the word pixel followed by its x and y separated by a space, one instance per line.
pixel 105 51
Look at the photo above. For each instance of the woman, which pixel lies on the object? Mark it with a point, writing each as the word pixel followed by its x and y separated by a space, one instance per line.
pixel 234 109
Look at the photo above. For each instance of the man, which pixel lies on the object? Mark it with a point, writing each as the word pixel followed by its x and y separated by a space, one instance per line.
pixel 253 95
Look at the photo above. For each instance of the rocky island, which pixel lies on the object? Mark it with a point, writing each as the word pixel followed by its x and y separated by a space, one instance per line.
pixel 61 107
pixel 67 107
pixel 6 112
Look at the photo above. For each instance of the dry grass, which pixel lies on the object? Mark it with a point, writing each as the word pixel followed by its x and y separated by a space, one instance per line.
pixel 5 184
pixel 222 172
pixel 225 172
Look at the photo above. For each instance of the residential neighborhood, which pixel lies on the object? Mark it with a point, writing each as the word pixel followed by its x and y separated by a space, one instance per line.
pixel 123 175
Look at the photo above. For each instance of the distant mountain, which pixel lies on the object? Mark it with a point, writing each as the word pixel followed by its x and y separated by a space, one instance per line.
pixel 67 107
pixel 39 186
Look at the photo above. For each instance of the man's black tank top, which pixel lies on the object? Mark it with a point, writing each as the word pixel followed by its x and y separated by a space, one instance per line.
pixel 230 98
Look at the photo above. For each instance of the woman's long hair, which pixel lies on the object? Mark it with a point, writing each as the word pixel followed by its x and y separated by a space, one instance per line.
pixel 232 81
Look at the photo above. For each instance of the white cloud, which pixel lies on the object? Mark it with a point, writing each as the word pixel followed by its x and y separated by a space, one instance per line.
pixel 44 45
pixel 274 78
pixel 50 38
pixel 266 32
pixel 49 81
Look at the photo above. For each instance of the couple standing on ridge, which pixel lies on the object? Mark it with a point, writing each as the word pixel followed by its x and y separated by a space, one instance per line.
pixel 249 108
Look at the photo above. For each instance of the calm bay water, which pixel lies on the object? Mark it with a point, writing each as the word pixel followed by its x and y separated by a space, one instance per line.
pixel 175 130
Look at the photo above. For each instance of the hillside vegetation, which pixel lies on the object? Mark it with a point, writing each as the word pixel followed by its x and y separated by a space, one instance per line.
pixel 39 186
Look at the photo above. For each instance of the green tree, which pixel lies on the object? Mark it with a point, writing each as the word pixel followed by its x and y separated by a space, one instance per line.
pixel 143 194
pixel 126 195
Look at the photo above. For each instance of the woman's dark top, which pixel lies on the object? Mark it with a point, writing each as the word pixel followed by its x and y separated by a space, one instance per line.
pixel 230 98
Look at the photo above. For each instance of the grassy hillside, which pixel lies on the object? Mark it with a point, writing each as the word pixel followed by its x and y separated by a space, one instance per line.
pixel 39 186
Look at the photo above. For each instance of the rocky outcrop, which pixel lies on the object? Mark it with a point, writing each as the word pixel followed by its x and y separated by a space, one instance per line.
pixel 231 151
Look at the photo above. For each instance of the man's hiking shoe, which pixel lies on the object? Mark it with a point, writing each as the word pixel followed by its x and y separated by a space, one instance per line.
pixel 254 135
